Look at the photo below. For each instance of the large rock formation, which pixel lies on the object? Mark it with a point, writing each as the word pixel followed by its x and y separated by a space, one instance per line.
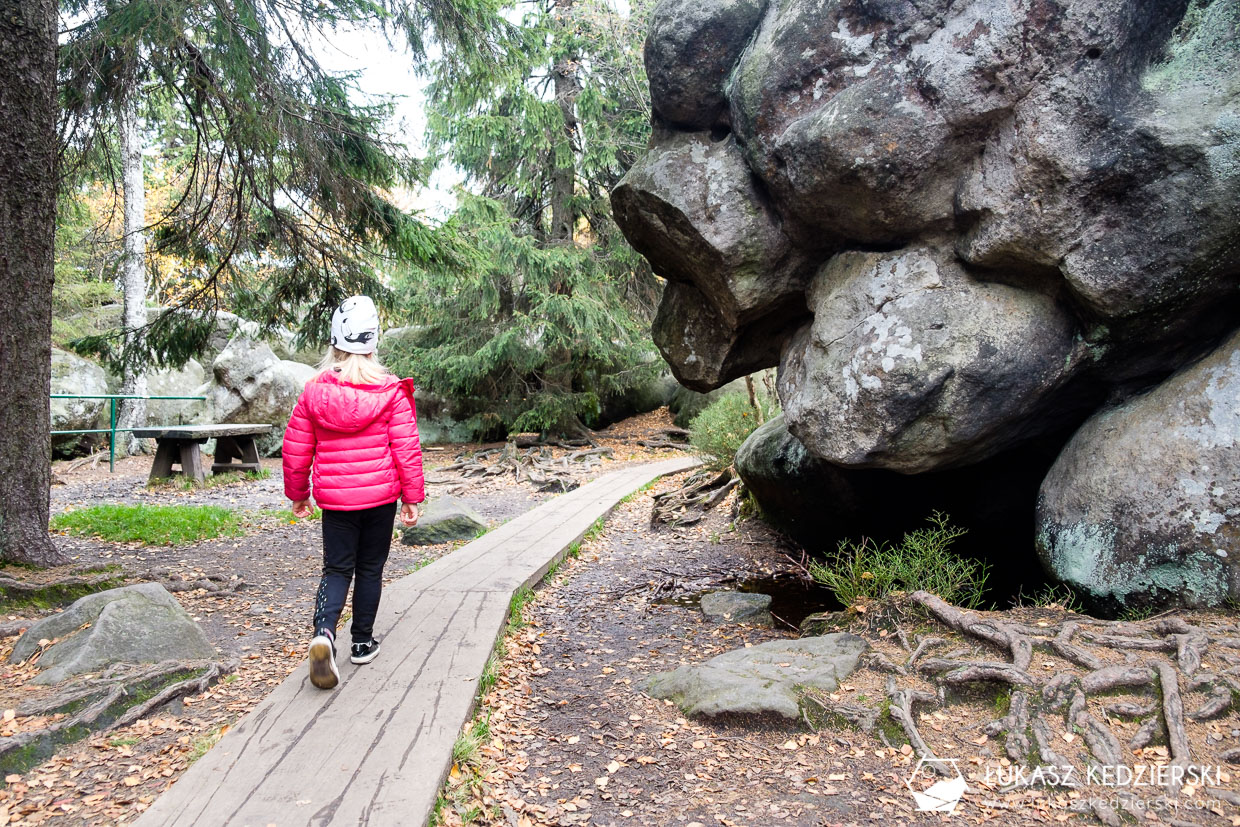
pixel 1143 506
pixel 75 375
pixel 252 384
pixel 957 228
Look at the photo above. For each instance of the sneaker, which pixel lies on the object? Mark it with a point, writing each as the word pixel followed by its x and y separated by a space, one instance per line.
pixel 365 652
pixel 323 671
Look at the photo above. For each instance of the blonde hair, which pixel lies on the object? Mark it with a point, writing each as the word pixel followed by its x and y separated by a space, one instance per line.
pixel 354 368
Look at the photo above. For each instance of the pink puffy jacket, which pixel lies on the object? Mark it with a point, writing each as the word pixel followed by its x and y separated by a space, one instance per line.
pixel 362 441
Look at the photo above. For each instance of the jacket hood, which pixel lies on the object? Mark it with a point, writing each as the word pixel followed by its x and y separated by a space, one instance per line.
pixel 340 406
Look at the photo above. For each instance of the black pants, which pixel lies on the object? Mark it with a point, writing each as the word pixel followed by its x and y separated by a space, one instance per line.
pixel 353 542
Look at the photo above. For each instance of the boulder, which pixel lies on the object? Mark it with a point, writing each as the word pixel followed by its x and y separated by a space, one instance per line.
pixel 188 380
pixel 73 374
pixel 443 520
pixel 735 255
pixel 760 680
pixel 737 607
pixel 1142 508
pixel 911 365
pixel 281 341
pixel 133 624
pixel 691 48
pixel 439 421
pixel 253 385
pixel 959 228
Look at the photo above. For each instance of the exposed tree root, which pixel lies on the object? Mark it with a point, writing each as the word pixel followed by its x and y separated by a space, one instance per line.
pixel 214 583
pixel 689 503
pixel 189 686
pixel 1119 687
pixel 901 712
pixel 529 459
pixel 96 698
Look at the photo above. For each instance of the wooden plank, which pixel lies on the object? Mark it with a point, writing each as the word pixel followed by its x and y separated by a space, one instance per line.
pixel 376 749
pixel 166 453
pixel 191 460
pixel 202 432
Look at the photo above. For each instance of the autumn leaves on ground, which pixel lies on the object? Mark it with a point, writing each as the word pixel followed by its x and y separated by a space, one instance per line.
pixel 565 733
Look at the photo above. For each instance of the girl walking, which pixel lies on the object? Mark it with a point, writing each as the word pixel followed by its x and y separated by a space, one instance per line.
pixel 355 425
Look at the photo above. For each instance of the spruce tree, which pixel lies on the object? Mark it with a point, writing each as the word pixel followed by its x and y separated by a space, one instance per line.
pixel 27 221
pixel 283 167
pixel 550 311
pixel 286 171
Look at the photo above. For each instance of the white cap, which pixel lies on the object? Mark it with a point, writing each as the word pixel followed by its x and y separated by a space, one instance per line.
pixel 355 325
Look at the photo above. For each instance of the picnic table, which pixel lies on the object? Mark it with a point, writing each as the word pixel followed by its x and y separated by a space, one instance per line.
pixel 182 445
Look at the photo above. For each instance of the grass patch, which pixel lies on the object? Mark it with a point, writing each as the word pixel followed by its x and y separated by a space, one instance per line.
pixel 204 742
pixel 717 433
pixel 154 525
pixel 595 530
pixel 285 515
pixel 1050 596
pixel 632 495
pixel 421 563
pixel 923 560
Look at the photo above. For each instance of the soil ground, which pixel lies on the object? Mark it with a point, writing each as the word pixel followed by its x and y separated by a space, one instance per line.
pixel 575 739
pixel 572 738
pixel 111 777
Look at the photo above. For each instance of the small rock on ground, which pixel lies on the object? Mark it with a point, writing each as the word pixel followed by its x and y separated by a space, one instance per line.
pixel 443 520
pixel 133 624
pixel 737 607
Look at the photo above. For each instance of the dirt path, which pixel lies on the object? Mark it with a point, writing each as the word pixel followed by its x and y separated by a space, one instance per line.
pixel 110 778
pixel 571 738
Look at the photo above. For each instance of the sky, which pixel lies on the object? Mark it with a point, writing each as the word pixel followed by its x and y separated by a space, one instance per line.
pixel 386 72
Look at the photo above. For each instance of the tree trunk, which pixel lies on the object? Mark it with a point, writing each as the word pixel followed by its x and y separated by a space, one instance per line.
pixel 27 226
pixel 753 400
pixel 133 269
pixel 564 175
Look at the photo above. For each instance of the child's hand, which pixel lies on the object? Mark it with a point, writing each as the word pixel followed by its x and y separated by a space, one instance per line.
pixel 409 515
pixel 301 509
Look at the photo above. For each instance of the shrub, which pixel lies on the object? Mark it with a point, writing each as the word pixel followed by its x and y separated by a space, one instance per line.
pixel 922 560
pixel 150 524
pixel 717 433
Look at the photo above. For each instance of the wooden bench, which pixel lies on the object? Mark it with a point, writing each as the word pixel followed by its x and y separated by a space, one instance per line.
pixel 182 445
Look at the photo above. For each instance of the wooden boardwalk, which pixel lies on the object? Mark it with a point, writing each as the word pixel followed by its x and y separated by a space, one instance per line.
pixel 376 749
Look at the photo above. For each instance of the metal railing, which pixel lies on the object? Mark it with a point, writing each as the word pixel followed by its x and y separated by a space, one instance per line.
pixel 111 430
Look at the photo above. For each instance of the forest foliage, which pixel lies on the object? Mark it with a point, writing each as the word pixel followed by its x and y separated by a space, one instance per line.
pixel 274 184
